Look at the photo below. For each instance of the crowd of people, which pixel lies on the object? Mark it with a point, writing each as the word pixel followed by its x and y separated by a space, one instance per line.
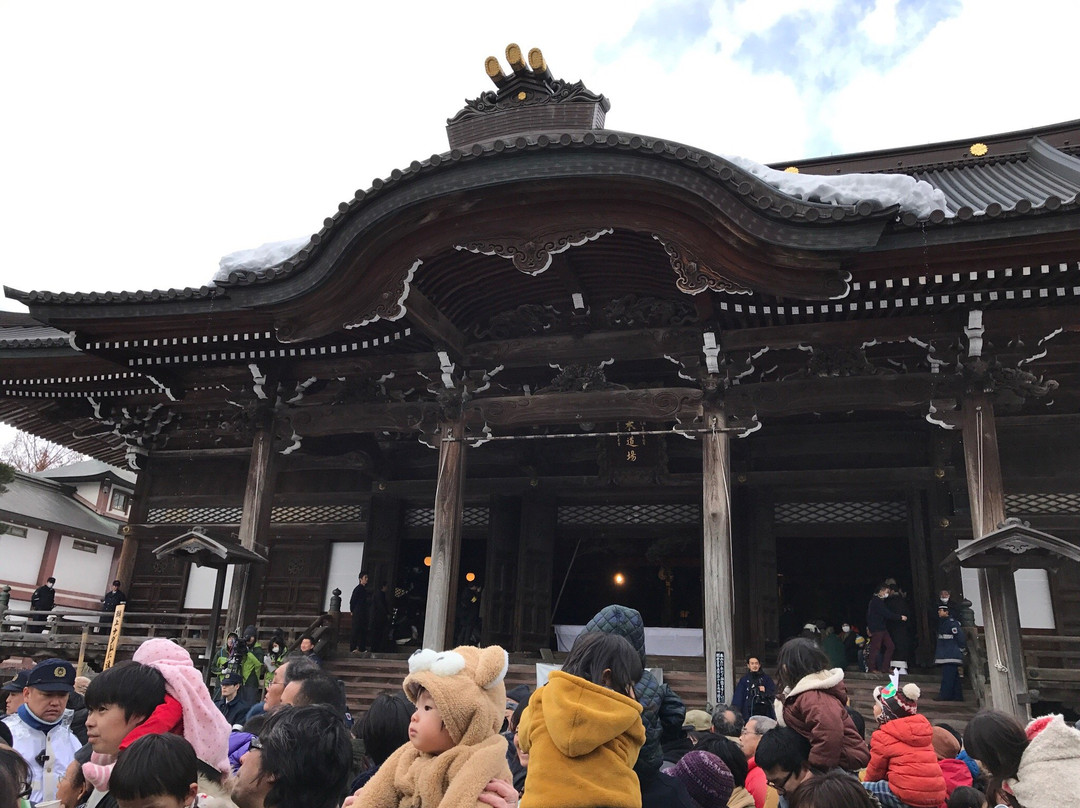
pixel 889 639
pixel 602 732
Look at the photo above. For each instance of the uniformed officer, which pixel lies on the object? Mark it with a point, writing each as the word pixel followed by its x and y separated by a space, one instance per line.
pixel 40 728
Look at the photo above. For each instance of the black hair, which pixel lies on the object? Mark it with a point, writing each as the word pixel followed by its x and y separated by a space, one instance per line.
pixel 134 687
pixel 14 777
pixel 515 719
pixel 799 657
pixel 307 637
pixel 361 574
pixel 255 724
pixel 997 740
pixel 967 797
pixel 835 789
pixel 319 687
pixel 298 663
pixel 721 725
pixel 385 725
pixel 307 750
pixel 783 747
pixel 79 782
pixel 729 752
pixel 949 728
pixel 5 733
pixel 595 652
pixel 152 766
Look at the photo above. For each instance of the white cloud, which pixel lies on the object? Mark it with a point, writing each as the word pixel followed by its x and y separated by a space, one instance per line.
pixel 145 141
pixel 880 24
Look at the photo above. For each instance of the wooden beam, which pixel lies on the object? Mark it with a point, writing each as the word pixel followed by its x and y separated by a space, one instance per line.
pixel 446 538
pixel 997 589
pixel 254 522
pixel 717 570
pixel 426 316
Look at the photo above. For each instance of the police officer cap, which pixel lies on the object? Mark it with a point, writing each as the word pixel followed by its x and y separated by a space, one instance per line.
pixel 52 675
pixel 16 684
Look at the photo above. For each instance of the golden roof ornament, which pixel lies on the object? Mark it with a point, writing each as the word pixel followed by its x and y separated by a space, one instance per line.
pixel 552 105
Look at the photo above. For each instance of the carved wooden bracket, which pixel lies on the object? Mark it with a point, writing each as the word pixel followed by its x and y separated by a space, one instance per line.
pixel 532 255
pixel 694 277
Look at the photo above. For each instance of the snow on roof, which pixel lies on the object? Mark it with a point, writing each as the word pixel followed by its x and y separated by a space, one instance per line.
pixel 261 257
pixel 883 190
pixel 912 195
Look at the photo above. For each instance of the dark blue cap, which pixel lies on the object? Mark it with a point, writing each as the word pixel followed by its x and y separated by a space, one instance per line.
pixel 52 675
pixel 16 684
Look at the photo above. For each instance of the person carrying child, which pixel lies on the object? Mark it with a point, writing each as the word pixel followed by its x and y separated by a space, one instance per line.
pixel 814 704
pixel 187 710
pixel 454 748
pixel 583 731
pixel 903 769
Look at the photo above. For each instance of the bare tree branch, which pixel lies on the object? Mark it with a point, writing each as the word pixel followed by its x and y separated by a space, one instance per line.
pixel 29 453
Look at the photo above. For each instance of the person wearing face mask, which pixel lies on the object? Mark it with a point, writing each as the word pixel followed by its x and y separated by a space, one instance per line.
pixel 849 636
pixel 755 692
pixel 275 654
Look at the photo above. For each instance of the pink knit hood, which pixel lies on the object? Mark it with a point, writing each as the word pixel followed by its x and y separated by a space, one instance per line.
pixel 205 728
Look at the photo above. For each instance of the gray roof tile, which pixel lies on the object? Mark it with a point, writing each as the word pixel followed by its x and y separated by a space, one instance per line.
pixel 43 503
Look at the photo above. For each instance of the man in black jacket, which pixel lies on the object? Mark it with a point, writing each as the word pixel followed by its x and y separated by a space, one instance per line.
pixel 41 603
pixel 877 617
pixel 360 606
pixel 232 706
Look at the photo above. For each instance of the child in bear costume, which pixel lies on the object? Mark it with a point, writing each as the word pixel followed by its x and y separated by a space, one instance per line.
pixel 469 694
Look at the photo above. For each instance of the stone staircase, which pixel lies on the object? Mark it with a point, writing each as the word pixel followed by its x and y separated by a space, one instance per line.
pixel 367 677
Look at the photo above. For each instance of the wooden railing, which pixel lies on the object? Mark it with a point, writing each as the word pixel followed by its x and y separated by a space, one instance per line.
pixel 63 631
pixel 1053 667
pixel 1051 662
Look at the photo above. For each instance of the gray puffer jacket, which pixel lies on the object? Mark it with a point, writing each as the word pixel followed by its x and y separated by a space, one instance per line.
pixel 662 710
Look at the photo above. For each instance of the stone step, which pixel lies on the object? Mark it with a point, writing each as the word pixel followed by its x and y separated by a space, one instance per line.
pixel 367 677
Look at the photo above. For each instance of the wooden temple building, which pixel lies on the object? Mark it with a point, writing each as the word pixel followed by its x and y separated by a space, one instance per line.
pixel 558 352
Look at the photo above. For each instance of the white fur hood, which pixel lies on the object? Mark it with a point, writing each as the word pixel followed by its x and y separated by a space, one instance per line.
pixel 821 680
pixel 1049 774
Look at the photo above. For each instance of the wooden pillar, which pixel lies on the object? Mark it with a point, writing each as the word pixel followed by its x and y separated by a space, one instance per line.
pixel 254 523
pixel 446 537
pixel 382 542
pixel 532 604
pixel 920 576
pixel 997 589
pixel 763 604
pixel 137 515
pixel 717 568
pixel 500 571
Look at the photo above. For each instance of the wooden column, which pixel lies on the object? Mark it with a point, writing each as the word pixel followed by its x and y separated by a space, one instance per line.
pixel 763 603
pixel 997 589
pixel 717 568
pixel 137 515
pixel 445 536
pixel 382 542
pixel 532 606
pixel 920 576
pixel 254 523
pixel 500 571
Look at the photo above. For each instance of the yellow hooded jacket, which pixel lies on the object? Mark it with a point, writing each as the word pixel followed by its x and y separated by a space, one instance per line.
pixel 583 740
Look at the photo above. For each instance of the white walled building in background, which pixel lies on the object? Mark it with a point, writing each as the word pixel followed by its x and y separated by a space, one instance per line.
pixel 64 523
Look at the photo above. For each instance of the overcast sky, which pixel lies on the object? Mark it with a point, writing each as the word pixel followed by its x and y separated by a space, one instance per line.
pixel 145 140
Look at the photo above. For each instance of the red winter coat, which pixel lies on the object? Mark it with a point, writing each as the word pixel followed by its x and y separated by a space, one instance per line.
pixel 816 709
pixel 956 774
pixel 902 752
